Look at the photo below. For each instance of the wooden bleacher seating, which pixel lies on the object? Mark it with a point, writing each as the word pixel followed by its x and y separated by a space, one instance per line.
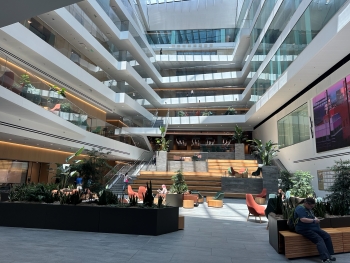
pixel 221 166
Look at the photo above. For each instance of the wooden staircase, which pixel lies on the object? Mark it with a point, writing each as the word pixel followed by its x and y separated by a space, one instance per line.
pixel 206 183
pixel 220 167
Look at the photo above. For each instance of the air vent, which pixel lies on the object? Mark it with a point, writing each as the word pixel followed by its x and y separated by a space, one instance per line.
pixel 321 157
pixel 58 137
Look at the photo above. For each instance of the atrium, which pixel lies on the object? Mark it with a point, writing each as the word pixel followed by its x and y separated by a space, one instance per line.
pixel 117 75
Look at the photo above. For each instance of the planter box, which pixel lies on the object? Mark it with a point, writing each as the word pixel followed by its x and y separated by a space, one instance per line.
pixel 325 223
pixel 239 151
pixel 175 200
pixel 343 221
pixel 276 225
pixel 138 221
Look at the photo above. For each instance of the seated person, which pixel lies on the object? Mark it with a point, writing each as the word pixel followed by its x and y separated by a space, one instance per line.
pixel 162 192
pixel 281 194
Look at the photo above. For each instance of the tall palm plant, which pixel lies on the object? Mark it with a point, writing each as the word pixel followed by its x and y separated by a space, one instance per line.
pixel 162 143
pixel 266 151
pixel 239 136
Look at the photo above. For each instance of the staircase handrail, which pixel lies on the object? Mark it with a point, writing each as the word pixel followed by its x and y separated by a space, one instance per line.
pixel 155 117
pixel 115 177
pixel 149 162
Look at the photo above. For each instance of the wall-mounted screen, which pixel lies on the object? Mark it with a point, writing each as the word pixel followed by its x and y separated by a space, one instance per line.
pixel 331 117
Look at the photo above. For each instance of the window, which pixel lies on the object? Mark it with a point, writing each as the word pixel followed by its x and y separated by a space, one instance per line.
pixel 294 127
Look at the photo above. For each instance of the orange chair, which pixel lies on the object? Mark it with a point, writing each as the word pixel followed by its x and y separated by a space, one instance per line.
pixel 56 108
pixel 254 209
pixel 141 192
pixel 131 192
pixel 262 194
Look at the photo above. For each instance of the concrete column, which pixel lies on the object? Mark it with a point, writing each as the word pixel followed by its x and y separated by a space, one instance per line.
pixel 270 179
pixel 162 161
pixel 239 151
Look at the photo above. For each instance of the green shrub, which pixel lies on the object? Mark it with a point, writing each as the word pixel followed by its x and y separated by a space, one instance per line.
pixel 302 186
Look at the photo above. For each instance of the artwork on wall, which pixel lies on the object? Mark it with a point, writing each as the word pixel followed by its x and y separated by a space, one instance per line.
pixel 325 179
pixel 331 117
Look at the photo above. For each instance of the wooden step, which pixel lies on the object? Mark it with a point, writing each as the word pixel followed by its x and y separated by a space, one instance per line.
pixel 135 187
pixel 167 182
pixel 155 173
pixel 231 161
pixel 187 178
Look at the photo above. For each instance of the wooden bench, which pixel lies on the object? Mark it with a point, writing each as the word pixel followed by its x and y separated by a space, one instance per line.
pixel 295 245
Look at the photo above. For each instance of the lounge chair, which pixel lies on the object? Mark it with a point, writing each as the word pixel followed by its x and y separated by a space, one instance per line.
pixel 253 208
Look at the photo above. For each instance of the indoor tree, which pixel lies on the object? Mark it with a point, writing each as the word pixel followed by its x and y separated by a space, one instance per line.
pixel 163 144
pixel 302 186
pixel 179 185
pixel 94 168
pixel 239 135
pixel 266 152
pixel 339 198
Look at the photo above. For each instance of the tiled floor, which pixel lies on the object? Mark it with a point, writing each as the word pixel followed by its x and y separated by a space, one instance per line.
pixel 210 235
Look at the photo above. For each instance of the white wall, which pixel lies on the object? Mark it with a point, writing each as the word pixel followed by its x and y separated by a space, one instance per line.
pixel 306 149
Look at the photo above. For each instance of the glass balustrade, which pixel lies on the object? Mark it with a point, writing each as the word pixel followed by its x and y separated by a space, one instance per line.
pixel 315 17
pixel 284 13
pixel 124 25
pixel 38 91
pixel 198 92
pixel 68 50
pixel 204 111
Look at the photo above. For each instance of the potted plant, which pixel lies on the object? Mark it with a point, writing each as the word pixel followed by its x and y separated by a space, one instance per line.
pixel 265 153
pixel 207 113
pixel 285 180
pixel 231 111
pixel 302 186
pixel 178 188
pixel 239 137
pixel 339 198
pixel 163 147
pixel 181 113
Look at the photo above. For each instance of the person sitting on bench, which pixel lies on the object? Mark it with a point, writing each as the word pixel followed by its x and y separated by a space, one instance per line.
pixel 309 226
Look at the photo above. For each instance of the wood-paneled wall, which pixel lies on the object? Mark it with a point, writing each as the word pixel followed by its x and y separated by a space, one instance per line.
pixel 12 151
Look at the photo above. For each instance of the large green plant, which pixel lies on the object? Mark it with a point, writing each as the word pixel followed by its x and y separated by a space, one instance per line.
pixel 302 186
pixel 179 185
pixel 285 180
pixel 239 136
pixel 266 152
pixel 94 168
pixel 65 171
pixel 207 113
pixel 163 144
pixel 181 113
pixel 339 198
pixel 34 193
pixel 231 111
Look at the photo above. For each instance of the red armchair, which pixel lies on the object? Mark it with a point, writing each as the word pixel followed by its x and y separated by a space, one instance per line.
pixel 131 192
pixel 254 209
pixel 262 194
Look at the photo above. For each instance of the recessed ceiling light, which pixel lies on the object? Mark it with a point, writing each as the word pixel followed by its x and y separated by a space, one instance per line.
pixel 37 144
pixel 10 139
pixel 51 144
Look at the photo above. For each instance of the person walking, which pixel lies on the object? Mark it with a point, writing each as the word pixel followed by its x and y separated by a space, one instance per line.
pixel 154 159
pixel 309 226
pixel 192 93
pixel 126 181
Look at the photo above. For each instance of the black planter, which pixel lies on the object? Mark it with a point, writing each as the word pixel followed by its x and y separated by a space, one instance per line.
pixel 4 197
pixel 138 221
pixel 276 225
pixel 343 221
pixel 325 223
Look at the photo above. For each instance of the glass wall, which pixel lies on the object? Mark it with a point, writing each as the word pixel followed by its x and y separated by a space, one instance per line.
pixel 315 17
pixel 193 36
pixel 294 127
pixel 279 22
